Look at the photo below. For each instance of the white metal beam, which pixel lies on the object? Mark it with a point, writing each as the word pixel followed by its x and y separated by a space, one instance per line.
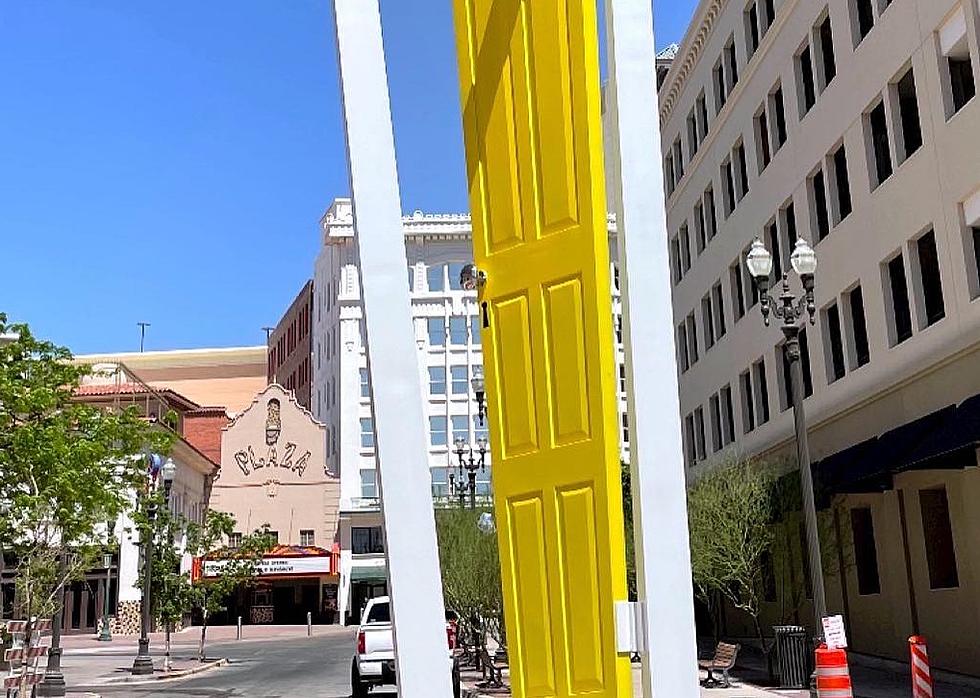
pixel 414 583
pixel 663 557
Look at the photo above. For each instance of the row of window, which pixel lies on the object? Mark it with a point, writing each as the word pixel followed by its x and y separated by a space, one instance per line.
pixel 459 330
pixel 438 278
pixel 440 489
pixel 439 430
pixel 892 132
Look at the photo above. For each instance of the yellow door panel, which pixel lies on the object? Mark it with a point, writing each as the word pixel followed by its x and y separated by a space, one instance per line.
pixel 529 76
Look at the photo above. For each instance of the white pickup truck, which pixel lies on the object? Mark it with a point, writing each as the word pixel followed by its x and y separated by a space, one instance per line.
pixel 374 660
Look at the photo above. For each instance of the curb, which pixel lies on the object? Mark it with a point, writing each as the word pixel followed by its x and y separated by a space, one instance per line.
pixel 204 666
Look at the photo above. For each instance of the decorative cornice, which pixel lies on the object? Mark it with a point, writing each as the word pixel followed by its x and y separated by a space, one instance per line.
pixel 687 56
pixel 287 394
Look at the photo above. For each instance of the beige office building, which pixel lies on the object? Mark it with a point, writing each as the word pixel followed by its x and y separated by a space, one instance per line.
pixel 852 124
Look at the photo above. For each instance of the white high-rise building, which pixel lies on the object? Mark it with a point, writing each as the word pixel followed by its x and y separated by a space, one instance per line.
pixel 447 333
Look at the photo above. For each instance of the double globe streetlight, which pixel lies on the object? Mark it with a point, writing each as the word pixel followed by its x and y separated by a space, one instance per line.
pixel 471 459
pixel 791 310
pixel 143 664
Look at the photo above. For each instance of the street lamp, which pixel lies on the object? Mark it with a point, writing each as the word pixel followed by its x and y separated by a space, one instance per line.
pixel 790 310
pixel 470 459
pixel 479 391
pixel 106 634
pixel 143 664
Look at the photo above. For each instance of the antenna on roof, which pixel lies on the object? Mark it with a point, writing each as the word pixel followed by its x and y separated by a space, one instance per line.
pixel 142 326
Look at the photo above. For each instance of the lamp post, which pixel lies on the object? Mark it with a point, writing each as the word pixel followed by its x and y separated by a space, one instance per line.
pixel 106 634
pixel 143 664
pixel 470 459
pixel 169 471
pixel 53 684
pixel 790 309
pixel 479 391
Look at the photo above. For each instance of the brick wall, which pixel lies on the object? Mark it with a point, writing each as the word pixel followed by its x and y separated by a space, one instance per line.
pixel 202 429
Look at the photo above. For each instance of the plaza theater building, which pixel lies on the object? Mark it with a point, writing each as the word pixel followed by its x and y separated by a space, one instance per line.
pixel 273 472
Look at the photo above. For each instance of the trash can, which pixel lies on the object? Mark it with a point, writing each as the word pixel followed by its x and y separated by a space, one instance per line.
pixel 794 659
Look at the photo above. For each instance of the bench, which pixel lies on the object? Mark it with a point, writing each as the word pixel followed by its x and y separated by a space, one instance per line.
pixel 723 661
pixel 495 671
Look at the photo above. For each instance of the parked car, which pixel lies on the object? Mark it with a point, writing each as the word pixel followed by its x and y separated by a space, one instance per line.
pixel 374 660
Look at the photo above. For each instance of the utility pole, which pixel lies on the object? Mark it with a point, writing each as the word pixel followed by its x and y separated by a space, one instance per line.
pixel 268 334
pixel 142 326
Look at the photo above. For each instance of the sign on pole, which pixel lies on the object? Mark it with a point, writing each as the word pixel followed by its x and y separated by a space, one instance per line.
pixel 663 558
pixel 414 583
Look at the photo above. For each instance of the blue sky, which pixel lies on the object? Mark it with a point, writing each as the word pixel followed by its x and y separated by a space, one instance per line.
pixel 168 162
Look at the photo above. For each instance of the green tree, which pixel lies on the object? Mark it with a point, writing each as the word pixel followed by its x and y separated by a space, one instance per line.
pixel 730 515
pixel 624 476
pixel 470 566
pixel 66 467
pixel 235 567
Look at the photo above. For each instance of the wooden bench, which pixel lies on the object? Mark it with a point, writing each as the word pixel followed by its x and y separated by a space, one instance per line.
pixel 723 661
pixel 495 671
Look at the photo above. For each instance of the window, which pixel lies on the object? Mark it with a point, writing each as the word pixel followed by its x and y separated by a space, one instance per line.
pixel 719 308
pixel 235 540
pixel 692 338
pixel 762 392
pixel 437 380
pixel 742 173
pixel 683 358
pixel 956 68
pixel 778 110
pixel 411 279
pixel 454 269
pixel 833 343
pixel 367 432
pixel 690 451
pixel 930 283
pixel 751 290
pixel 457 330
pixel 787 383
pixel 973 240
pixel 728 187
pixel 685 243
pixel 678 160
pixel 307 537
pixel 731 64
pixel 366 540
pixel 908 108
pixel 805 364
pixel 699 433
pixel 365 387
pixel 626 428
pixel 369 484
pixel 437 331
pixel 675 260
pixel 862 19
pixel 460 380
pixel 865 551
pixel 877 129
pixel 738 295
pixel 437 431
pixel 748 402
pixel 622 378
pixel 771 235
pixel 804 69
pixel 714 404
pixel 436 276
pixel 827 51
pixel 700 236
pixel 461 429
pixel 480 430
pixel 818 194
pixel 475 330
pixel 788 216
pixel 721 93
pixel 900 317
pixel 938 531
pixel 708 322
pixel 273 536
pixel 710 218
pixel 751 18
pixel 859 328
pixel 692 133
pixel 669 180
pixel 440 482
pixel 701 108
pixel 727 415
pixel 618 327
pixel 842 184
pixel 763 152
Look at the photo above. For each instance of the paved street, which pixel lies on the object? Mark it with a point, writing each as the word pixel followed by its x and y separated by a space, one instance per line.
pixel 293 666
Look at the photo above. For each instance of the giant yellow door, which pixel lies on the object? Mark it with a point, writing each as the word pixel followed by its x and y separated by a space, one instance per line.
pixel 529 73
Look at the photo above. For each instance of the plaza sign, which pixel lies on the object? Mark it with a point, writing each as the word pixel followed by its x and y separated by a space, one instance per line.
pixel 275 566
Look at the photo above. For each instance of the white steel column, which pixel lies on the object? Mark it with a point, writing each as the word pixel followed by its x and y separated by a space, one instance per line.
pixel 663 557
pixel 414 583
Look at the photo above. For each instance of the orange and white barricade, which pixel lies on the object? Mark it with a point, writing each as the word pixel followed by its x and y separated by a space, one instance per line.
pixel 921 676
pixel 833 676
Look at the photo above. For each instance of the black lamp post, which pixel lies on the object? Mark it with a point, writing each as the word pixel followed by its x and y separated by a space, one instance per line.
pixel 53 684
pixel 106 634
pixel 470 459
pixel 143 664
pixel 791 311
pixel 479 392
